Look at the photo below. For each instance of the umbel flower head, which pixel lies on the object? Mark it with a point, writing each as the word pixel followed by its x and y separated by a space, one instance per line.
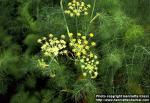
pixel 42 64
pixel 81 47
pixel 46 68
pixel 77 7
pixel 89 65
pixel 52 46
pixel 80 44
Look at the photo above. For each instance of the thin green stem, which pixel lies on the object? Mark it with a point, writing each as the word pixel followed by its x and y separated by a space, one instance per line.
pixel 135 48
pixel 62 8
pixel 93 9
pixel 97 15
pixel 148 52
pixel 91 16
pixel 76 24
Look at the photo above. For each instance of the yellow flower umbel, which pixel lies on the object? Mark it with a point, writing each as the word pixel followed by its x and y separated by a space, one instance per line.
pixel 89 65
pixel 77 7
pixel 51 46
pixel 80 44
pixel 81 49
pixel 42 64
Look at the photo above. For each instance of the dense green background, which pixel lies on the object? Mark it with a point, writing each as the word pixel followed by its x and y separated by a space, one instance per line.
pixel 123 45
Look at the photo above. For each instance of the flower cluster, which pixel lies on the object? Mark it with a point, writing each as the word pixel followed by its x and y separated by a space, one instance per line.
pixel 52 46
pixel 45 67
pixel 89 65
pixel 81 48
pixel 76 7
pixel 42 64
pixel 80 44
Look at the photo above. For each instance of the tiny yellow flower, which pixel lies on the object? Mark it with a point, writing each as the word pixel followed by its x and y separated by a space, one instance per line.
pixel 91 55
pixel 79 46
pixel 78 14
pixel 90 67
pixel 74 1
pixel 65 51
pixel 71 14
pixel 70 7
pixel 63 36
pixel 64 46
pixel 97 62
pixel 79 41
pixel 84 37
pixel 59 46
pixel 96 68
pixel 74 5
pixel 57 41
pixel 39 41
pixel 77 3
pixel 83 57
pixel 55 38
pixel 75 11
pixel 87 47
pixel 85 42
pixel 62 41
pixel 70 34
pixel 89 6
pixel 69 4
pixel 95 75
pixel 46 53
pixel 90 71
pixel 44 38
pixel 91 34
pixel 74 40
pixel 78 34
pixel 52 75
pixel 50 35
pixel 82 66
pixel 80 7
pixel 87 59
pixel 93 44
pixel 84 51
pixel 95 57
pixel 56 53
pixel 67 11
pixel 84 74
pixel 85 13
pixel 51 43
pixel 43 47
pixel 82 60
pixel 74 50
pixel 82 4
pixel 79 11
pixel 85 9
pixel 78 54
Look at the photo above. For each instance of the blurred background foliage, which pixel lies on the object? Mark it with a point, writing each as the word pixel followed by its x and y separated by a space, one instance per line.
pixel 122 33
